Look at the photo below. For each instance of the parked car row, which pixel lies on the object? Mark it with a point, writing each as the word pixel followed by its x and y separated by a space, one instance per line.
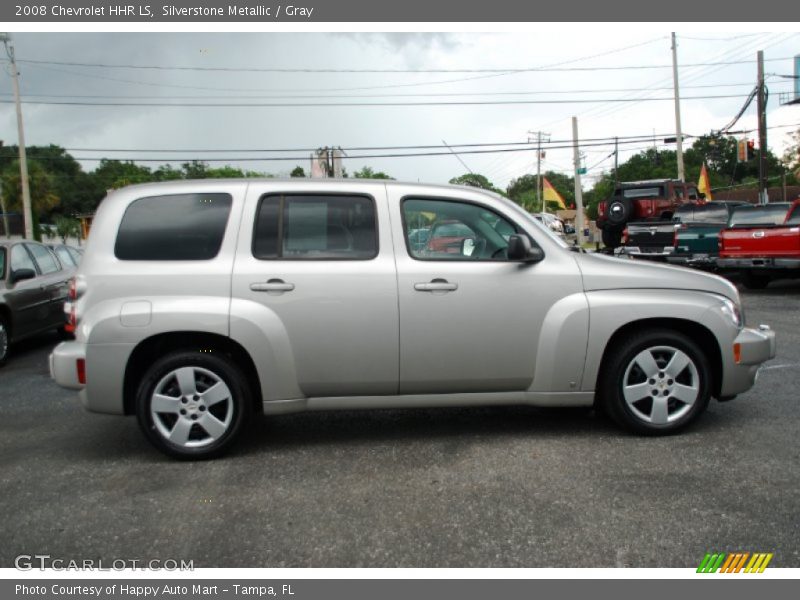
pixel 34 281
pixel 760 242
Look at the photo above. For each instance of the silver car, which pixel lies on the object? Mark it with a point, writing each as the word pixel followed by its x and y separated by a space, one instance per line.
pixel 200 303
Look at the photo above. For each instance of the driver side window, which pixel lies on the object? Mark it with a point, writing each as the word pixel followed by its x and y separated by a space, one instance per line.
pixel 453 230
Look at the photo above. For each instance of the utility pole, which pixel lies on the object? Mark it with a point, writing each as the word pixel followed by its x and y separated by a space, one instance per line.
pixel 616 162
pixel 539 135
pixel 763 196
pixel 23 159
pixel 576 157
pixel 3 207
pixel 678 132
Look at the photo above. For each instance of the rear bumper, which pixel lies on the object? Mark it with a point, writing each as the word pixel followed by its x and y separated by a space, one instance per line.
pixel 104 370
pixel 656 252
pixel 63 364
pixel 758 263
pixel 755 346
pixel 699 260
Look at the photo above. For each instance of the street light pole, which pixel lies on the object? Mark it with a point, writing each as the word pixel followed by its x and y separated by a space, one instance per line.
pixel 23 158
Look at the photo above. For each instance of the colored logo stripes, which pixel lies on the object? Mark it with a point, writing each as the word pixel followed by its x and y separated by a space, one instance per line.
pixel 735 562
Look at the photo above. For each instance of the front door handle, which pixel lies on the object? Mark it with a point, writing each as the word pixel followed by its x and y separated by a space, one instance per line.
pixel 273 285
pixel 436 285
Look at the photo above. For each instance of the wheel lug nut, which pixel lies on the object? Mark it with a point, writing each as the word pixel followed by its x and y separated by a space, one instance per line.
pixel 184 400
pixel 196 398
pixel 655 392
pixel 202 408
pixel 661 375
pixel 670 382
pixel 666 392
pixel 194 417
pixel 183 412
pixel 652 382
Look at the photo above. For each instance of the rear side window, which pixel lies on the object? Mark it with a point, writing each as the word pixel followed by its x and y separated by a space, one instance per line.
pixel 794 218
pixel 64 256
pixel 710 213
pixel 174 227
pixel 309 227
pixel 769 214
pixel 44 258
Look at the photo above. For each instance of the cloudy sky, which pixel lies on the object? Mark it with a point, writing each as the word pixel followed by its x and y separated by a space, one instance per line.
pixel 587 68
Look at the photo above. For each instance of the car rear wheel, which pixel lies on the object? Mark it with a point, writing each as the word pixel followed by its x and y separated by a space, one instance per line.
pixel 656 382
pixel 619 211
pixel 193 405
pixel 612 238
pixel 4 341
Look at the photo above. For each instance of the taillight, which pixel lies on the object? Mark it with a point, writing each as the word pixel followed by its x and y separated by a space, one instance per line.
pixel 80 366
pixel 72 294
pixel 72 320
pixel 625 236
pixel 675 235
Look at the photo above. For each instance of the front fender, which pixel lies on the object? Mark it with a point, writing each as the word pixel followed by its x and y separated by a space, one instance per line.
pixel 611 310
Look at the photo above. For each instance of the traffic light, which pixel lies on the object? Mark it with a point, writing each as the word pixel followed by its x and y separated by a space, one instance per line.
pixel 745 150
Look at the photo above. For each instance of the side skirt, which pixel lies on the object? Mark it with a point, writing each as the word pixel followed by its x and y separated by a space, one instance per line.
pixel 554 399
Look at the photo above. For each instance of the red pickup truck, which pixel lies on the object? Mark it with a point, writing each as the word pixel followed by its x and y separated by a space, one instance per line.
pixel 763 243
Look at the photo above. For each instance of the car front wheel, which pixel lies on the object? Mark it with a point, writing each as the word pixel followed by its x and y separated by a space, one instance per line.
pixel 193 405
pixel 656 382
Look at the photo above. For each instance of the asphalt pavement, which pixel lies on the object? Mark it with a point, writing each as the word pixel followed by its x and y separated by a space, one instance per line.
pixel 494 487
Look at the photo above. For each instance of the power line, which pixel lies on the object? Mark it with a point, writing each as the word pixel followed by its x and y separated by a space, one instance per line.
pixel 418 95
pixel 506 70
pixel 351 104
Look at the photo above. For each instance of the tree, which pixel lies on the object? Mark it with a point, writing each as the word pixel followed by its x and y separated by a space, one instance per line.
pixel 67 227
pixel 476 180
pixel 791 159
pixel 368 173
pixel 297 172
pixel 43 197
pixel 522 190
pixel 112 174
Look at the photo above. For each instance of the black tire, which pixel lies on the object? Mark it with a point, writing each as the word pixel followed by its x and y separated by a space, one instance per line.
pixel 205 367
pixel 5 341
pixel 753 281
pixel 620 369
pixel 619 211
pixel 612 238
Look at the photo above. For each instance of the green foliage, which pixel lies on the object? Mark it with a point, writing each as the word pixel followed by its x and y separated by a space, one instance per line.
pixel 522 190
pixel 368 173
pixel 476 180
pixel 67 227
pixel 297 172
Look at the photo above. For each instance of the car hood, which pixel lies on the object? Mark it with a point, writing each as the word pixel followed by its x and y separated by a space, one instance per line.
pixel 602 272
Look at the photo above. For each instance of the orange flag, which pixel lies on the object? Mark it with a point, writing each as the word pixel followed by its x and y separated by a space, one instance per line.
pixel 551 194
pixel 704 185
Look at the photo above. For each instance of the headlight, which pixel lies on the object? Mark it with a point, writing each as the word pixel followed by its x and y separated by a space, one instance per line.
pixel 733 311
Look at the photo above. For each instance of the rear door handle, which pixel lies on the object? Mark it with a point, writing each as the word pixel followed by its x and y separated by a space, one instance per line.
pixel 436 285
pixel 273 285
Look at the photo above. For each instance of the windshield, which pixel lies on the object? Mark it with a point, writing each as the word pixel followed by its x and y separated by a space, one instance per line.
pixel 771 214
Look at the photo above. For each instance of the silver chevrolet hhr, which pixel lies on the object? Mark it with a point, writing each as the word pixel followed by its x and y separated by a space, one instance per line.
pixel 199 303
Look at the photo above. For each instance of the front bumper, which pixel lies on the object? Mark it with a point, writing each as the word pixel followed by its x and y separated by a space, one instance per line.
pixel 751 348
pixel 692 260
pixel 655 252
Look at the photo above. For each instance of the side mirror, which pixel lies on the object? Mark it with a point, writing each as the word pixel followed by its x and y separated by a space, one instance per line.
pixel 521 249
pixel 21 274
